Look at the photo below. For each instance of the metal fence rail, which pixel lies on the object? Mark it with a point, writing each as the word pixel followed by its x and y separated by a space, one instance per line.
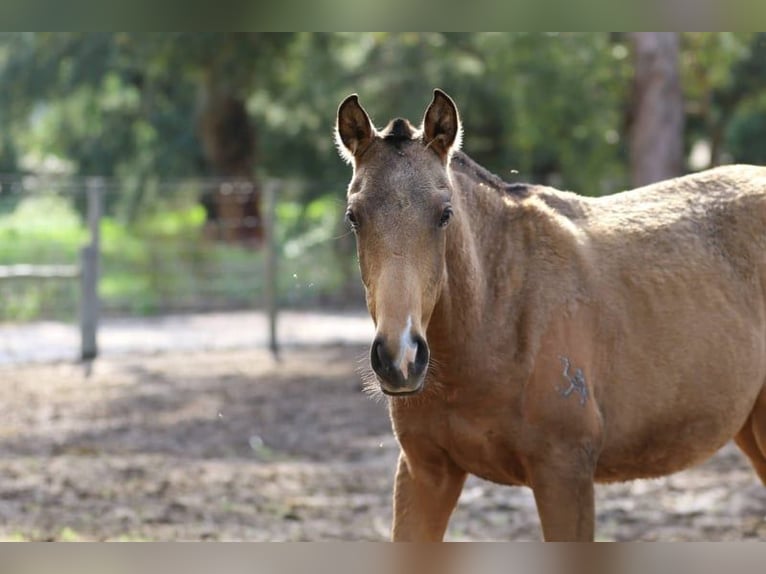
pixel 227 260
pixel 27 271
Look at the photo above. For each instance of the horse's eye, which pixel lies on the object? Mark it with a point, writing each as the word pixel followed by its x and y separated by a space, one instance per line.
pixel 446 214
pixel 352 220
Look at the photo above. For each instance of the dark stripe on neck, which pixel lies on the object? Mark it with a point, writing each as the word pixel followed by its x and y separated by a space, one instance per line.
pixel 465 165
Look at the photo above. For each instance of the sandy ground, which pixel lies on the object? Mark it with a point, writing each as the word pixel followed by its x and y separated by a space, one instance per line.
pixel 20 343
pixel 231 445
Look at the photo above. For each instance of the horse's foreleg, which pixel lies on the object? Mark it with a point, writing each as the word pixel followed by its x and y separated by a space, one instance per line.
pixel 425 494
pixel 564 496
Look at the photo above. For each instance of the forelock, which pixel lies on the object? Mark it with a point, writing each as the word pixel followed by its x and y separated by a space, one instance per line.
pixel 399 130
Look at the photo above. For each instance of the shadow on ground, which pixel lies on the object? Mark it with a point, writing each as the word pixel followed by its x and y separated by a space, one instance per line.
pixel 231 445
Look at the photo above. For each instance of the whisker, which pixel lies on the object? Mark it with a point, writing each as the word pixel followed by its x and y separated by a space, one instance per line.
pixel 433 386
pixel 335 238
pixel 370 385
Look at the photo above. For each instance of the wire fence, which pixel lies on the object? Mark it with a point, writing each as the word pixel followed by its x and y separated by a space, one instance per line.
pixel 170 246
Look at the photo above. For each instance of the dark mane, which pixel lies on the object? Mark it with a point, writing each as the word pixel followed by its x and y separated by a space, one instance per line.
pixel 465 165
pixel 400 130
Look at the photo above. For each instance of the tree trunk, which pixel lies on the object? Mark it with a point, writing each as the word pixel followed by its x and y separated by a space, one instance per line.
pixel 657 115
pixel 228 139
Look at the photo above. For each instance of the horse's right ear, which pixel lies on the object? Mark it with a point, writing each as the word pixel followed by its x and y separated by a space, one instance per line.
pixel 353 129
pixel 441 126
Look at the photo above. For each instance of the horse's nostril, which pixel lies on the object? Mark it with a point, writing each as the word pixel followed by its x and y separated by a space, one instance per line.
pixel 381 353
pixel 377 355
pixel 421 356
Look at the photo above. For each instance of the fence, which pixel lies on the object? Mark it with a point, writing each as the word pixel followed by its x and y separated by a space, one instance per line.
pixel 111 249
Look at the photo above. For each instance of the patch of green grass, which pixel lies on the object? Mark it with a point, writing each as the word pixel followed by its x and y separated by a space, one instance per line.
pixel 15 537
pixel 131 538
pixel 68 534
pixel 164 263
pixel 41 229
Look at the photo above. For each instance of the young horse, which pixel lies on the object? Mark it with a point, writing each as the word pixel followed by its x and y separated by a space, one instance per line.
pixel 535 337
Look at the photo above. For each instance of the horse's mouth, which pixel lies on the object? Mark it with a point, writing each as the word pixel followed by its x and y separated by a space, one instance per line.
pixel 404 392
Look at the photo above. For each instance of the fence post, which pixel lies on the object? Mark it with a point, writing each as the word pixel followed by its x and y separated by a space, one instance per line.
pixel 89 273
pixel 272 306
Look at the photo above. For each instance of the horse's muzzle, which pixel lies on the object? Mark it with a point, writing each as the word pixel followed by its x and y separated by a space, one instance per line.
pixel 405 378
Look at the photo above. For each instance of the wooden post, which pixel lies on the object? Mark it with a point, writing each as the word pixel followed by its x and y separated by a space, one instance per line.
pixel 269 222
pixel 89 261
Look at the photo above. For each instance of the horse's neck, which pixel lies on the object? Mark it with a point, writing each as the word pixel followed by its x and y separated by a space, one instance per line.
pixel 485 265
pixel 512 263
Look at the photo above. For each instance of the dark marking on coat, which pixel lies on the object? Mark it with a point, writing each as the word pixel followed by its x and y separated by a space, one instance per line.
pixel 576 382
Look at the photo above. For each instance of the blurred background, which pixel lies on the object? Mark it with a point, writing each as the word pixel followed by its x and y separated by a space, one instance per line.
pixel 181 193
pixel 185 130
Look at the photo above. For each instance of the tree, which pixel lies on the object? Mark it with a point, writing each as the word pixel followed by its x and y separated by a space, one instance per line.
pixel 724 83
pixel 657 113
pixel 137 106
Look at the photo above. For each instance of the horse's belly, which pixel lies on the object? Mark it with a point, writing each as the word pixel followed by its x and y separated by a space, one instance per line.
pixel 680 405
pixel 500 469
pixel 666 446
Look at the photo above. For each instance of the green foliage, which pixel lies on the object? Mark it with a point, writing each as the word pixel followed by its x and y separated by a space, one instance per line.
pixel 744 135
pixel 548 105
pixel 315 252
pixel 559 99
pixel 722 75
pixel 26 237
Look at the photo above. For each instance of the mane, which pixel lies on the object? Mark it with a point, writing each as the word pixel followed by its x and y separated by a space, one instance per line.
pixel 462 163
pixel 399 131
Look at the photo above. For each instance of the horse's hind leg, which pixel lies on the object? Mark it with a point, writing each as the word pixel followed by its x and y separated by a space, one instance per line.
pixel 745 440
pixel 752 438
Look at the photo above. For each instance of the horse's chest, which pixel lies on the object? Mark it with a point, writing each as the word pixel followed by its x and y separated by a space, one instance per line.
pixel 483 447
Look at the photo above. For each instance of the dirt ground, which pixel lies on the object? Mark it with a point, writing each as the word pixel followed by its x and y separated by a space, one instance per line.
pixel 231 445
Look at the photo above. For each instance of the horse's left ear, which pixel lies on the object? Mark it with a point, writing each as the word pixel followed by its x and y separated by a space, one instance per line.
pixel 353 129
pixel 441 126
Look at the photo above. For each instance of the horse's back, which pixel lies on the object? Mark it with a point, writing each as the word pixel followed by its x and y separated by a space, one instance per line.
pixel 713 220
pixel 695 198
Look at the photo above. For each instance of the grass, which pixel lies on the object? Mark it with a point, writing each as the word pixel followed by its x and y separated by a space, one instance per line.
pixel 164 263
pixel 14 537
pixel 68 534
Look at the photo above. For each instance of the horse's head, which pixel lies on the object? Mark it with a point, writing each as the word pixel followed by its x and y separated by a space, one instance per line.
pixel 399 205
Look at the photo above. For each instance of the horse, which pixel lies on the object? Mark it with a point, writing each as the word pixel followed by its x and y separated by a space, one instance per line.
pixel 536 337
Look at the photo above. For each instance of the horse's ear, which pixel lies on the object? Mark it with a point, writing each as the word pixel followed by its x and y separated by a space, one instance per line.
pixel 353 129
pixel 441 126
